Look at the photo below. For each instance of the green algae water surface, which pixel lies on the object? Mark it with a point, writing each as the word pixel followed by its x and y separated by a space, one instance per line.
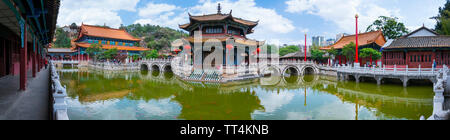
pixel 99 95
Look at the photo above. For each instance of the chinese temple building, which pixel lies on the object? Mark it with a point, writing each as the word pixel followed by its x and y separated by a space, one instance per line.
pixel 374 40
pixel 61 54
pixel 26 29
pixel 422 47
pixel 109 38
pixel 222 28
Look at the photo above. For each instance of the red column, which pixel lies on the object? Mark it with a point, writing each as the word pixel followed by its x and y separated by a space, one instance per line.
pixel 33 58
pixel 38 58
pixel 78 56
pixel 3 63
pixel 305 47
pixel 23 59
pixel 356 60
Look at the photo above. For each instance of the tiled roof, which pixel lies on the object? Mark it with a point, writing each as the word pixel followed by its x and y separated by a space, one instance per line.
pixel 125 48
pixel 59 50
pixel 421 28
pixel 363 39
pixel 218 17
pixel 297 54
pixel 105 32
pixel 420 42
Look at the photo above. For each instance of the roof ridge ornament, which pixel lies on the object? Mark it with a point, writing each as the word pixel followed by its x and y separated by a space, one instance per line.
pixel 219 9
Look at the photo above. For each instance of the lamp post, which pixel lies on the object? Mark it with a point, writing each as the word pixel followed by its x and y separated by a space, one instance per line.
pixel 357 59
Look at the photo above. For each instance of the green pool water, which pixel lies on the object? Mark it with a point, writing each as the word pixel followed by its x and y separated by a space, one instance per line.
pixel 97 95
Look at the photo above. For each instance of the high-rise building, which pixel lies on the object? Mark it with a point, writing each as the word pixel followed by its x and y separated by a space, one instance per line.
pixel 329 42
pixel 318 41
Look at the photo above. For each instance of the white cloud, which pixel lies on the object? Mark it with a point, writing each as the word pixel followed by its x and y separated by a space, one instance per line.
pixel 152 9
pixel 96 12
pixel 342 13
pixel 272 101
pixel 171 16
pixel 162 14
pixel 270 22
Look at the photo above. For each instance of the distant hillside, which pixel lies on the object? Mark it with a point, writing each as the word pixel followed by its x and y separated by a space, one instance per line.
pixel 154 36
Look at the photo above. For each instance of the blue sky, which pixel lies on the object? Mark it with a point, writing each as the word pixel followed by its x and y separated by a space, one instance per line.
pixel 281 21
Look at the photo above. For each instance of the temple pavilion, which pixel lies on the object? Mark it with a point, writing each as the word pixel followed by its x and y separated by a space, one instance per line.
pixel 222 28
pixel 374 40
pixel 109 38
pixel 422 47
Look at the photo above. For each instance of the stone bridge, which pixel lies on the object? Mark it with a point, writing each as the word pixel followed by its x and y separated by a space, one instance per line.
pixel 161 65
pixel 283 68
pixel 403 74
pixel 286 68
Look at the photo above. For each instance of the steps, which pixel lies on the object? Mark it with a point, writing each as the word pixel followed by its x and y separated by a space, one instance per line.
pixel 205 75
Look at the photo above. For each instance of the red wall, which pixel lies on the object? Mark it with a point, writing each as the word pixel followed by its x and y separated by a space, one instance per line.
pixel 415 58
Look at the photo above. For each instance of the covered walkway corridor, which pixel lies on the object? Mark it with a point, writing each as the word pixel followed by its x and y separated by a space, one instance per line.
pixel 32 104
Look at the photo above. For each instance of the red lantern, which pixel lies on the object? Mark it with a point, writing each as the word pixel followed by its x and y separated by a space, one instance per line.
pixel 258 50
pixel 187 47
pixel 229 47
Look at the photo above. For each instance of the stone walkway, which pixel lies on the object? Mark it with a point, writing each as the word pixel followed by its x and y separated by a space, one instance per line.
pixel 32 104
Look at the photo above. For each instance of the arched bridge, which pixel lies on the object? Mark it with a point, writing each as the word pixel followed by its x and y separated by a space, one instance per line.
pixel 283 68
pixel 161 65
pixel 287 68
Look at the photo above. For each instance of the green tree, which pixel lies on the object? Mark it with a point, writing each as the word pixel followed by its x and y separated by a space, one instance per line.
pixel 94 50
pixel 370 53
pixel 73 26
pixel 390 26
pixel 333 52
pixel 62 39
pixel 288 49
pixel 154 54
pixel 443 19
pixel 150 54
pixel 110 54
pixel 349 51
pixel 317 55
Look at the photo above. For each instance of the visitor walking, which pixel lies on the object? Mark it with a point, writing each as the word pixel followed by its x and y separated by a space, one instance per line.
pixel 434 63
pixel 46 63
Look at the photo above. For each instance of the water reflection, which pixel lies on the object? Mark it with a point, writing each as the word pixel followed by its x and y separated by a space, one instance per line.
pixel 140 95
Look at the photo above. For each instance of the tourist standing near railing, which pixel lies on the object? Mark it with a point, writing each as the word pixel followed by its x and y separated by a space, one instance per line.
pixel 46 63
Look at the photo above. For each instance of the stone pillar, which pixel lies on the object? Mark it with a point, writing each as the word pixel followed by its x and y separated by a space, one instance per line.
pixel 438 101
pixel 338 77
pixel 405 81
pixel 378 80
pixel 356 78
pixel 23 55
